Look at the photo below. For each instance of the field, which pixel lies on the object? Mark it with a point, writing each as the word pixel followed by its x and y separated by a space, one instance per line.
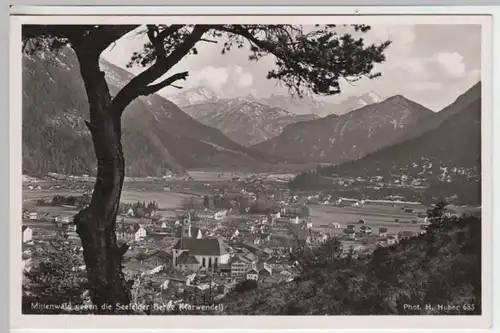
pixel 166 200
pixel 374 215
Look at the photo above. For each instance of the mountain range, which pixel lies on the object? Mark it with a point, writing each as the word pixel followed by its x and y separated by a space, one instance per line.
pixel 157 135
pixel 252 120
pixel 451 140
pixel 338 139
pixel 294 105
pixel 445 157
pixel 243 120
pixel 381 137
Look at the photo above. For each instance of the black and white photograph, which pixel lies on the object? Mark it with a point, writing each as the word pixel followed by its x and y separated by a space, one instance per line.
pixel 189 167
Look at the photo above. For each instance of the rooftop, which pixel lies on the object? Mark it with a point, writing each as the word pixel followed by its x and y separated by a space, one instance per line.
pixel 186 258
pixel 203 246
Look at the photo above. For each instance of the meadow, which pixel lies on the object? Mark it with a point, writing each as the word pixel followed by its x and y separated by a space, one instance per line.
pixel 374 215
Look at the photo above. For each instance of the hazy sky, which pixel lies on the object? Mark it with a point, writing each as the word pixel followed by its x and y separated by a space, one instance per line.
pixel 430 64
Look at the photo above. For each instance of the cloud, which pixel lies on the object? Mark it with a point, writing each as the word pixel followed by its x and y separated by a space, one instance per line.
pixel 245 80
pixel 238 69
pixel 212 77
pixel 441 66
pixel 452 63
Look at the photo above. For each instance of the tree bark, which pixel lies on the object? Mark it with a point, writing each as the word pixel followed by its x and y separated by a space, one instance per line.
pixel 96 223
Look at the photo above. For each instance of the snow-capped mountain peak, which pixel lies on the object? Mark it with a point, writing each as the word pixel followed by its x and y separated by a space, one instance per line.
pixel 194 96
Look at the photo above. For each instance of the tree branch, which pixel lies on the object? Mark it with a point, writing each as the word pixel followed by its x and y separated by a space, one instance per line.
pixel 103 36
pixel 148 90
pixel 134 88
pixel 208 40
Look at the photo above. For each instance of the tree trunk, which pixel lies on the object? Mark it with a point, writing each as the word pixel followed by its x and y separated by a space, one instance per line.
pixel 96 223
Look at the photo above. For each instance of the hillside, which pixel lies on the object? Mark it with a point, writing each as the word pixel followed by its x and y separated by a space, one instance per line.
pixel 338 139
pixel 446 158
pixel 462 102
pixel 440 267
pixel 157 135
pixel 242 120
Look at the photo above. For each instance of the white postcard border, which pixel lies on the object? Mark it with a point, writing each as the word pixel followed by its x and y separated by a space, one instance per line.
pixel 249 322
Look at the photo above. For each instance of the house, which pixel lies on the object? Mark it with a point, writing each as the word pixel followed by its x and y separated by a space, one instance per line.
pixel 220 214
pixel 382 232
pixel 240 265
pixel 136 266
pixel 71 228
pixel 422 219
pixel 63 219
pixel 366 230
pixel 409 210
pixel 273 263
pixel 33 216
pixel 335 225
pixel 423 229
pixel 322 238
pixel 27 234
pixel 391 240
pixel 185 261
pixel 265 273
pixel 208 253
pixel 26 262
pixel 351 227
pixel 71 231
pixel 130 212
pixel 139 234
pixel 351 233
pixel 252 275
pixel 406 234
pixel 159 258
pixel 130 232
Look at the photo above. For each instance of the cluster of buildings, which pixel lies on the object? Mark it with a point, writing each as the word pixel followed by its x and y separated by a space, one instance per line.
pixel 59 219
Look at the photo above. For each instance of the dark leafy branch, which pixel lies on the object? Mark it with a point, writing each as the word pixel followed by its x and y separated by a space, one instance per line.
pixel 313 61
pixel 161 65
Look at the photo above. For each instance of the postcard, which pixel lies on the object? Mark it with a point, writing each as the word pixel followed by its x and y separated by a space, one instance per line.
pixel 251 171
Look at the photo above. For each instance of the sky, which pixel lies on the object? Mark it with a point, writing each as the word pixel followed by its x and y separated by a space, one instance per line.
pixel 431 64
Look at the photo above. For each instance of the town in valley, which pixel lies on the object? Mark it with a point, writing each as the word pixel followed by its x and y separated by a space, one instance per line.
pixel 212 230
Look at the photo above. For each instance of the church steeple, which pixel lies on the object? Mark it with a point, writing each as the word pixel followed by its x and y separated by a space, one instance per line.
pixel 186 226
